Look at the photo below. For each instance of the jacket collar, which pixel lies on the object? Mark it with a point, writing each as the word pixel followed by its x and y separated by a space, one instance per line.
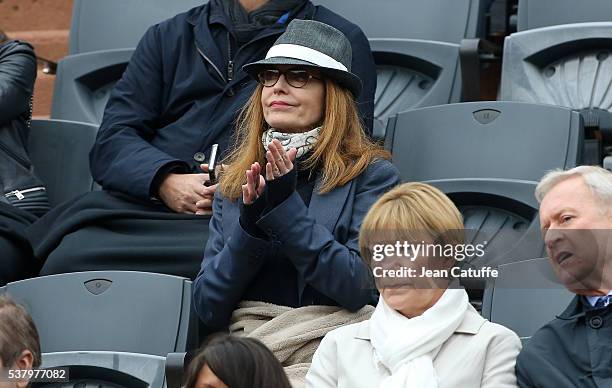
pixel 202 17
pixel 326 208
pixel 198 14
pixel 573 311
pixel 217 15
pixel 471 324
pixel 577 308
pixel 204 42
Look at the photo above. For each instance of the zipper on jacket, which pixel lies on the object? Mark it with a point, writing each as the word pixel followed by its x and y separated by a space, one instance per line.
pixel 19 193
pixel 24 163
pixel 210 62
pixel 230 70
pixel 230 63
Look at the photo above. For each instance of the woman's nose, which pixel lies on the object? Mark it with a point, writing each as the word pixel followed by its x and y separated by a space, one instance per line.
pixel 281 85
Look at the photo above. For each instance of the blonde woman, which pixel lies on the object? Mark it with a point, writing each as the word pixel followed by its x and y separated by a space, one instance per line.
pixel 422 333
pixel 287 214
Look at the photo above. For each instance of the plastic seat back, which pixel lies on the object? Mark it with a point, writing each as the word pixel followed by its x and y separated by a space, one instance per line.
pixel 545 13
pixel 525 296
pixel 134 312
pixel 84 82
pixel 105 370
pixel 59 151
pixel 440 20
pixel 113 24
pixel 505 140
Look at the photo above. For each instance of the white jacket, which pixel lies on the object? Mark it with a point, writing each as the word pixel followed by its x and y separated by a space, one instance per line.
pixel 478 354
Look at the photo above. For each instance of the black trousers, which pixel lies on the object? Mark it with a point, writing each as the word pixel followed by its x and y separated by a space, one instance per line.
pixel 16 258
pixel 112 231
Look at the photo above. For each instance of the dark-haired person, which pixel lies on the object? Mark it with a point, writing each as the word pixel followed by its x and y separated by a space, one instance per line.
pixel 302 176
pixel 235 362
pixel 23 197
pixel 180 94
pixel 19 343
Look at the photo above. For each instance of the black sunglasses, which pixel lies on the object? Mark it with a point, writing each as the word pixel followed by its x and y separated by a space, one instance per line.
pixel 294 77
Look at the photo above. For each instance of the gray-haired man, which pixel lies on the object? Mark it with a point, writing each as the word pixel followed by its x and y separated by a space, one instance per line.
pixel 575 349
pixel 19 344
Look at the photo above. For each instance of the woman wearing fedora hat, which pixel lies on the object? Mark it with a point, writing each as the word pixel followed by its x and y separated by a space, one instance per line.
pixel 303 174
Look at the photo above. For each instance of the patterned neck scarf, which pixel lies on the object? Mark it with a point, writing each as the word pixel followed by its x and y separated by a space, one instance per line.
pixel 302 141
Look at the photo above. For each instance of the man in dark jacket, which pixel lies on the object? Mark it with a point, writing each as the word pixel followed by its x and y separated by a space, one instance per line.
pixel 180 94
pixel 575 349
pixel 183 89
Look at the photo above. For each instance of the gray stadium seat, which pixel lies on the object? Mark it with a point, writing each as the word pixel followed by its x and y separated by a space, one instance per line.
pixel 84 82
pixel 59 151
pixel 113 24
pixel 568 65
pixel 127 311
pixel 502 212
pixel 525 296
pixel 439 20
pixel 106 370
pixel 449 21
pixel 176 367
pixel 545 13
pixel 412 74
pixel 507 140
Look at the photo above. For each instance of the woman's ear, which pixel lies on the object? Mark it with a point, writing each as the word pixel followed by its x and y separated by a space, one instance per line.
pixel 24 362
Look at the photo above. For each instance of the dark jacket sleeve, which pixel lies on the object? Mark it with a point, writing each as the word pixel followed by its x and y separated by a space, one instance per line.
pixel 122 158
pixel 525 365
pixel 17 76
pixel 227 269
pixel 333 268
pixel 363 66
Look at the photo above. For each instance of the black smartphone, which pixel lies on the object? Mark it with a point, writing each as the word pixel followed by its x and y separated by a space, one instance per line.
pixel 212 163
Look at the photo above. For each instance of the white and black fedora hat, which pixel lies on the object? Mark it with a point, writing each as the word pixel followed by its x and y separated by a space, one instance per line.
pixel 313 44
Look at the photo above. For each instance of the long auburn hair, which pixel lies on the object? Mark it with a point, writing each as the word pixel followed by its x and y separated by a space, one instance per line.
pixel 342 152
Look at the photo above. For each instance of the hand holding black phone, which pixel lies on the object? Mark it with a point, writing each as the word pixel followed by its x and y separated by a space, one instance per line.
pixel 212 164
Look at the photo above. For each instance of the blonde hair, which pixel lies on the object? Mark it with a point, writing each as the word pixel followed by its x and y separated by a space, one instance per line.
pixel 597 179
pixel 342 152
pixel 407 212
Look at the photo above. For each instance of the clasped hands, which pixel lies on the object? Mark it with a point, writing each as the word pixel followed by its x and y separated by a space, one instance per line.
pixel 279 163
pixel 187 194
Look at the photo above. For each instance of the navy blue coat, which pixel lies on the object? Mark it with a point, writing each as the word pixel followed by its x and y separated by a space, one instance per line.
pixel 312 257
pixel 573 350
pixel 179 95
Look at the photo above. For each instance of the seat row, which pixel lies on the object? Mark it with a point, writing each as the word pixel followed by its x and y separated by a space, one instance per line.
pixel 111 328
pixel 421 64
pixel 487 156
pixel 135 328
pixel 91 28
